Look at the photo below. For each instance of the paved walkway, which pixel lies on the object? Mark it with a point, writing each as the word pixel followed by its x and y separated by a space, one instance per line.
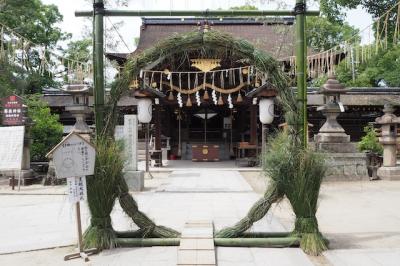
pixel 43 221
pixel 350 213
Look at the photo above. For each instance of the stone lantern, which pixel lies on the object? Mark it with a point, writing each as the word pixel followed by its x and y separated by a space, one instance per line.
pixel 80 108
pixel 332 136
pixel 388 139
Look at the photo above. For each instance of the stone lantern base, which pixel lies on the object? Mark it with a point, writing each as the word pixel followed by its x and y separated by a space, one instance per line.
pixel 334 142
pixel 389 173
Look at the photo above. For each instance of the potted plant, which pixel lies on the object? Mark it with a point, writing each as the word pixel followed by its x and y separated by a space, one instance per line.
pixel 369 144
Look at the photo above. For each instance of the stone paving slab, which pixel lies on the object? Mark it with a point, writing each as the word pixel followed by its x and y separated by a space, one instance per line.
pixel 364 257
pixel 197 244
pixel 205 180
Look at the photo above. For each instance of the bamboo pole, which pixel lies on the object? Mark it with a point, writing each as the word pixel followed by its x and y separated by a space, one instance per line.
pixel 301 55
pixel 257 242
pixel 199 13
pixel 98 59
pixel 222 242
pixel 265 234
pixel 147 242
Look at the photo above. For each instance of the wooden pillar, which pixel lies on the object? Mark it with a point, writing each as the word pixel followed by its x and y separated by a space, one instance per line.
pixel 253 124
pixel 157 135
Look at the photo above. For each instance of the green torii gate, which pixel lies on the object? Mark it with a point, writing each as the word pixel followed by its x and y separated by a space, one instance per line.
pixel 98 13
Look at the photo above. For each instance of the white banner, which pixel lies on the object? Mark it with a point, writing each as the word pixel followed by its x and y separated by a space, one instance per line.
pixel 11 147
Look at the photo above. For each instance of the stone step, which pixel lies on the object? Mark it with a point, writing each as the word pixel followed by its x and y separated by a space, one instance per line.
pixel 197 244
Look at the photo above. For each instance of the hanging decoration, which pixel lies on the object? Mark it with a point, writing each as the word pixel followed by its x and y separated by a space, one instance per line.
pixel 166 78
pixel 206 65
pixel 179 97
pixel 351 51
pixel 189 102
pixel 214 97
pixel 230 104
pixel 15 49
pixel 220 100
pixel 198 100
pixel 239 98
pixel 171 96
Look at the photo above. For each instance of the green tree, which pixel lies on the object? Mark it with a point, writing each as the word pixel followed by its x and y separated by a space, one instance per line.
pixel 80 50
pixel 46 132
pixel 33 20
pixel 323 34
pixel 381 70
pixel 37 23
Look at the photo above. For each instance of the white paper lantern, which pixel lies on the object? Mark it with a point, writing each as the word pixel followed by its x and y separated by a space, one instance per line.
pixel 266 111
pixel 145 110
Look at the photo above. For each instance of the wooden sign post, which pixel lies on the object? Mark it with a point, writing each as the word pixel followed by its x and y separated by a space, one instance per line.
pixel 74 159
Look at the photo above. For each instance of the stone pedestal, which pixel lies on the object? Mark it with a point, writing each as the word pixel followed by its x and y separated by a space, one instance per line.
pixel 331 136
pixel 134 180
pixel 389 173
pixel 346 166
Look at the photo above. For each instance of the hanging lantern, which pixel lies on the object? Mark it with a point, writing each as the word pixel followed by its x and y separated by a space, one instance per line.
pixel 245 71
pixel 171 96
pixel 206 97
pixel 239 98
pixel 145 110
pixel 189 102
pixel 154 84
pixel 220 100
pixel 266 106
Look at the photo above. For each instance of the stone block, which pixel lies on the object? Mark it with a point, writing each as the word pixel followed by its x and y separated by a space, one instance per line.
pixel 346 166
pixel 332 138
pixel 205 257
pixel 337 147
pixel 389 173
pixel 134 180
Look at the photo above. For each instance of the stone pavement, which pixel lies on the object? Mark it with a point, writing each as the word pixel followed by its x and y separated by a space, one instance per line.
pixel 360 218
pixel 44 221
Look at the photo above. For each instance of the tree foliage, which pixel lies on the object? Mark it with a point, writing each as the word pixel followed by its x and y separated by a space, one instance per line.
pixel 33 20
pixel 369 142
pixel 46 131
pixel 37 23
pixel 323 34
pixel 381 70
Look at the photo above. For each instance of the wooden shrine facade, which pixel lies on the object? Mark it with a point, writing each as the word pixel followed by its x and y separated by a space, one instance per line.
pixel 205 96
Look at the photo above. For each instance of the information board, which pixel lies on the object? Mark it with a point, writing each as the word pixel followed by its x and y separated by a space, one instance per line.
pixel 73 156
pixel 13 114
pixel 76 189
pixel 11 147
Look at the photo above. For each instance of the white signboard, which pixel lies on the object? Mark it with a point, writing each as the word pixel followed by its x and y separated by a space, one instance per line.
pixel 130 142
pixel 76 189
pixel 11 147
pixel 73 156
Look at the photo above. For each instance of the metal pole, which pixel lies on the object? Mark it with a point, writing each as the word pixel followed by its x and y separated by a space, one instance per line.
pixel 301 55
pixel 147 146
pixel 205 126
pixel 179 135
pixel 98 59
pixel 198 13
pixel 263 142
